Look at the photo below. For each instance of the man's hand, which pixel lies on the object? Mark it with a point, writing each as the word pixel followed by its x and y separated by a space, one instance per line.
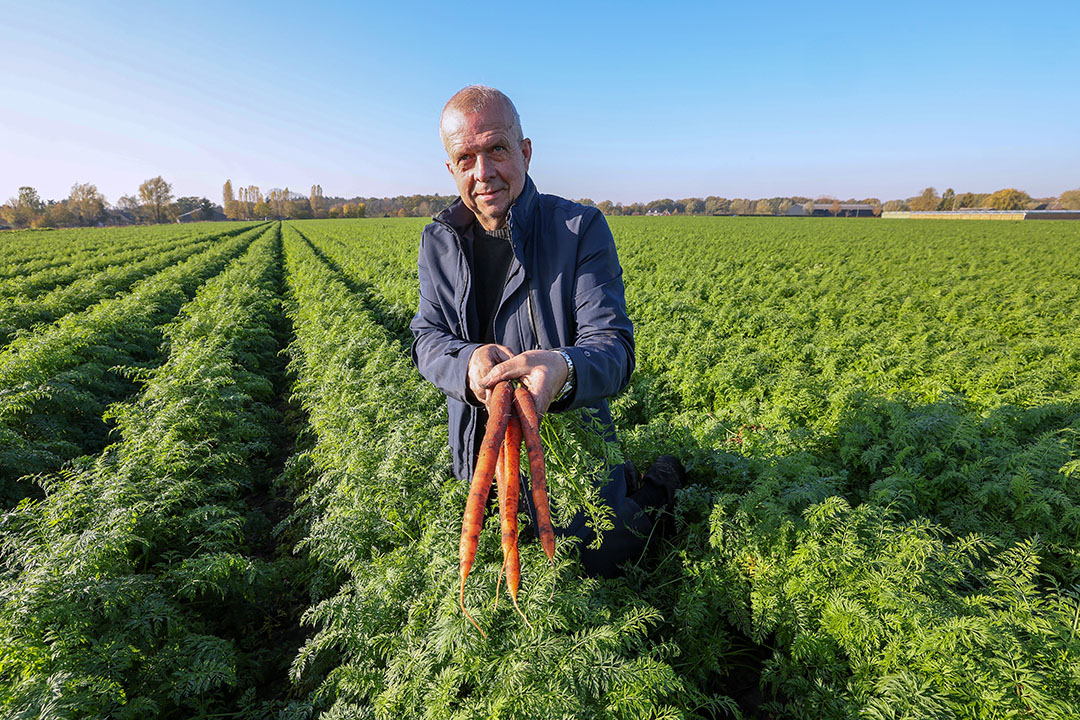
pixel 542 371
pixel 483 359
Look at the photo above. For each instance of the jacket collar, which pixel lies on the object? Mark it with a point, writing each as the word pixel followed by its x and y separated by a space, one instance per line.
pixel 459 217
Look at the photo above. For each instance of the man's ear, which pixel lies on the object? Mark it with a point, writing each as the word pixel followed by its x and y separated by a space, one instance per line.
pixel 450 169
pixel 526 152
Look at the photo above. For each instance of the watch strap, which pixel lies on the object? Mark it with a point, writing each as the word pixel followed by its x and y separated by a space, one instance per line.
pixel 570 375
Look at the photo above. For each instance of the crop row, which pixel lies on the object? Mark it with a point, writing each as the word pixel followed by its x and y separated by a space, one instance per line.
pixel 371 283
pixel 30 251
pixel 20 311
pixel 384 259
pixel 383 520
pixel 31 283
pixel 142 585
pixel 56 381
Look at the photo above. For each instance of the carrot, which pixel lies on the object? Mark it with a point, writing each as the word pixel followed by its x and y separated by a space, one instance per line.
pixel 500 481
pixel 499 411
pixel 530 429
pixel 509 493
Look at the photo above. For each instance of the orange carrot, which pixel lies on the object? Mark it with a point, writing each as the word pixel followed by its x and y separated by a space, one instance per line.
pixel 509 493
pixel 500 482
pixel 499 412
pixel 530 429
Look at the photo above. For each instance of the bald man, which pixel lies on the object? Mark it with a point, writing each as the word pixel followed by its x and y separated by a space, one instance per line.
pixel 515 284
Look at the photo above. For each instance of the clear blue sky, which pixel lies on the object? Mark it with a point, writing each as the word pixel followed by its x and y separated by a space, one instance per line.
pixel 623 101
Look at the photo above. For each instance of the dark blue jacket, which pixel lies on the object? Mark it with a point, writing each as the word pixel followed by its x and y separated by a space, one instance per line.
pixel 564 290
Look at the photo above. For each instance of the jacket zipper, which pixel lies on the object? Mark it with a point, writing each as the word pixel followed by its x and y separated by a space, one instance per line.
pixel 528 285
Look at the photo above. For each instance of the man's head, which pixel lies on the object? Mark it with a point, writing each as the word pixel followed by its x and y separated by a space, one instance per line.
pixel 486 152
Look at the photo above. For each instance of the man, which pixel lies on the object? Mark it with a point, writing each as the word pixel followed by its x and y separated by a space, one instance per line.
pixel 519 285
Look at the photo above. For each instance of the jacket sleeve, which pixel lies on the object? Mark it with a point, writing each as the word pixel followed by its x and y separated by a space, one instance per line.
pixel 603 349
pixel 441 356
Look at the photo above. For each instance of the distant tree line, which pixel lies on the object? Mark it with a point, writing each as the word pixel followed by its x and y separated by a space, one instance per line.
pixel 399 206
pixel 928 199
pixel 1007 199
pixel 154 203
pixel 86 206
pixel 1004 199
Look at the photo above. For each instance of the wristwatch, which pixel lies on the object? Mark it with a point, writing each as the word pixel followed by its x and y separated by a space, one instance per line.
pixel 569 384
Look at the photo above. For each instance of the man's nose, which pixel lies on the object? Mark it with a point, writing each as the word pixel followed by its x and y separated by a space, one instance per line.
pixel 485 168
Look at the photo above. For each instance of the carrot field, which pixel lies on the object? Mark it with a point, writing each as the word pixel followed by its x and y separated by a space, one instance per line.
pixel 227 491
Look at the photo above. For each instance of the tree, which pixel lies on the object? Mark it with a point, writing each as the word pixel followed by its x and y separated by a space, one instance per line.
pixel 895 206
pixel 187 204
pixel 835 208
pixel 29 199
pixel 23 210
pixel 228 201
pixel 156 195
pixel 948 200
pixel 86 203
pixel 129 204
pixel 318 204
pixel 605 206
pixel 277 200
pixel 1008 199
pixel 694 206
pixel 262 209
pixel 926 201
pixel 717 205
pixel 741 206
pixel 969 200
pixel 57 214
pixel 1070 200
pixel 301 209
pixel 808 208
pixel 249 197
pixel 767 206
pixel 660 206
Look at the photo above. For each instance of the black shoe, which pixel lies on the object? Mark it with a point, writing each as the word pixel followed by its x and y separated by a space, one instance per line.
pixel 659 484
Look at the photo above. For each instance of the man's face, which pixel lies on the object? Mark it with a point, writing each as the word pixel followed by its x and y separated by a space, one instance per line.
pixel 487 161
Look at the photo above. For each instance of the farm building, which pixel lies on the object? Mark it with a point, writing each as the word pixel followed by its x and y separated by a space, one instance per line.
pixel 986 214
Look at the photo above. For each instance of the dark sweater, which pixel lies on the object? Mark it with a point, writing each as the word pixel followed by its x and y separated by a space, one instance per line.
pixel 491 257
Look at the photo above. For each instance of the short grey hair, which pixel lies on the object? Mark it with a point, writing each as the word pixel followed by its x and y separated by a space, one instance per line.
pixel 472 99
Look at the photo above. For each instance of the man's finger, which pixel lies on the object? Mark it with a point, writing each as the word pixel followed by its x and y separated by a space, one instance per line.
pixel 510 369
pixel 542 394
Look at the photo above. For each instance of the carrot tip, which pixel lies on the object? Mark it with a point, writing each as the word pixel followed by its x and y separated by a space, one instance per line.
pixel 471 618
pixel 498 583
pixel 518 608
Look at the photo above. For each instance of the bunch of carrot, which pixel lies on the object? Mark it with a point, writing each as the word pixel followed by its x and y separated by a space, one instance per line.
pixel 512 417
